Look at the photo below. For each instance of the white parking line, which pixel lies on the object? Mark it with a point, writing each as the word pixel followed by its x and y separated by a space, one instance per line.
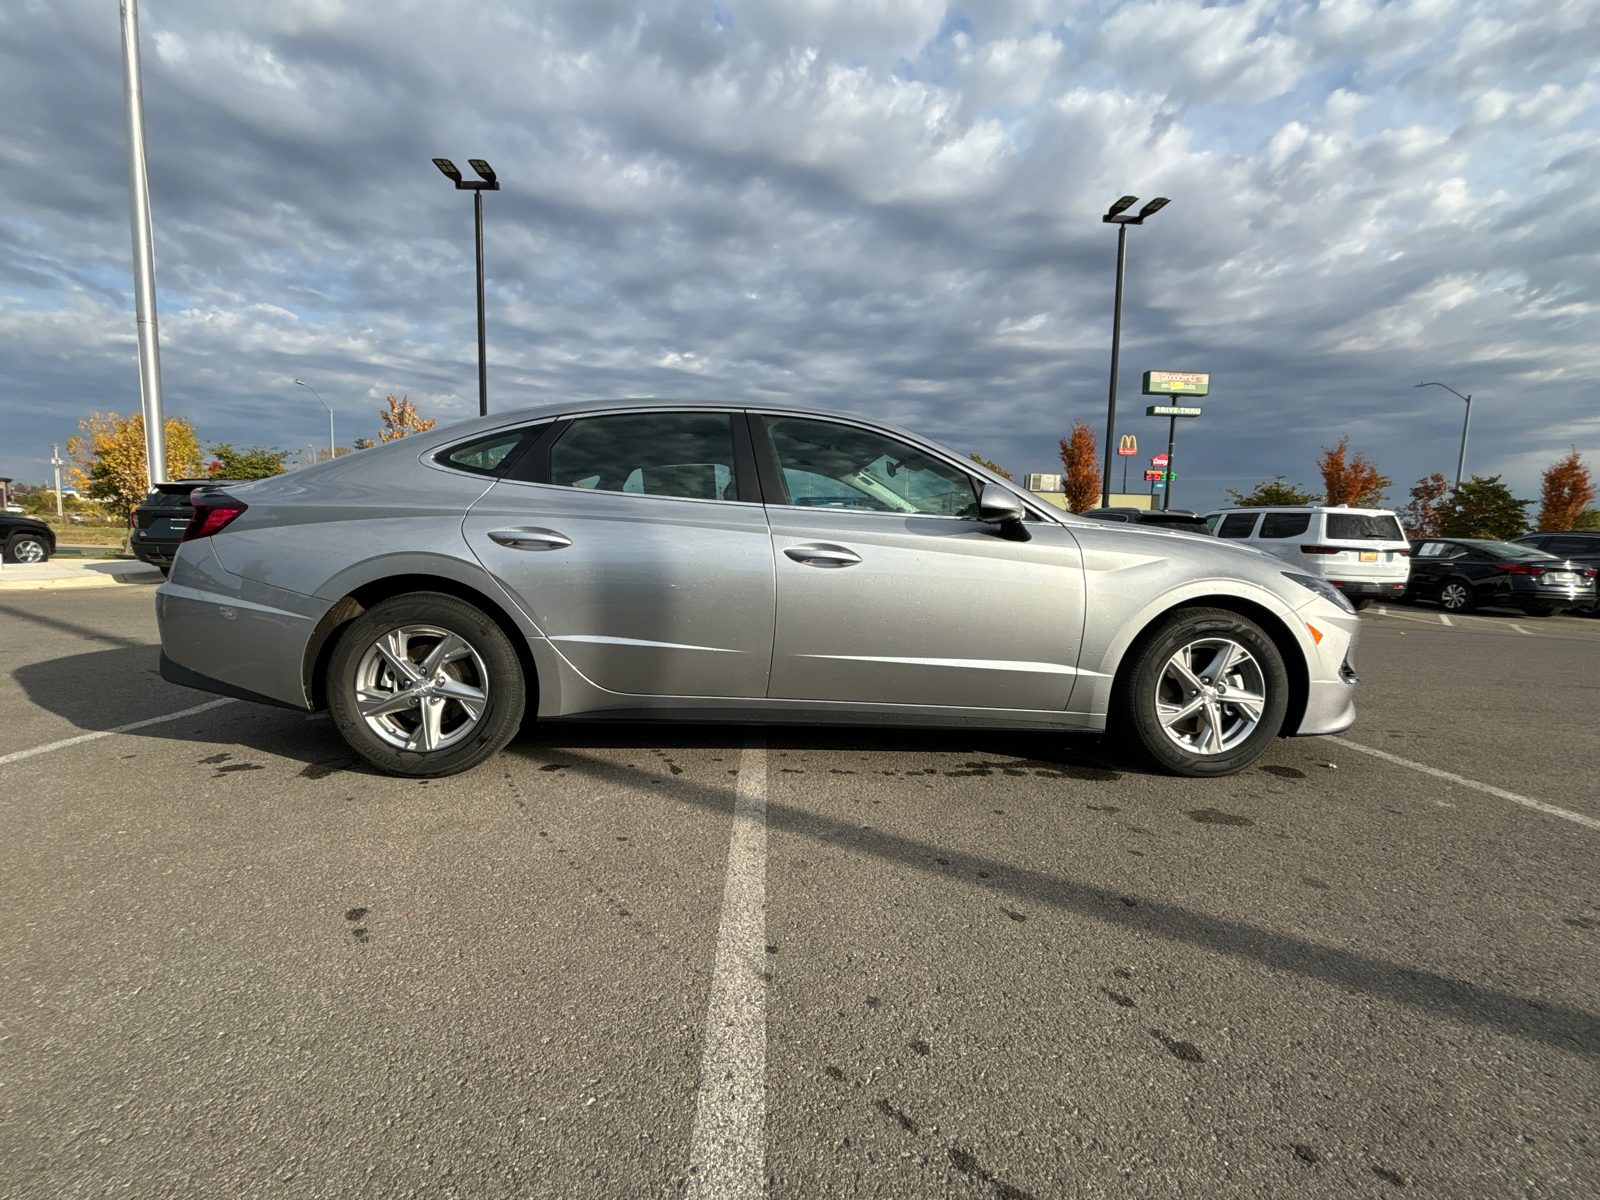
pixel 1488 789
pixel 728 1148
pixel 19 755
pixel 1444 619
pixel 1519 629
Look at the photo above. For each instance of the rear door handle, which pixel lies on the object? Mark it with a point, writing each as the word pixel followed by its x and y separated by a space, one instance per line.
pixel 822 555
pixel 530 539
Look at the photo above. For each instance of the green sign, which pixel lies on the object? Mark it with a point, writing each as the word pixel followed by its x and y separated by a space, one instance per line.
pixel 1177 383
pixel 1170 410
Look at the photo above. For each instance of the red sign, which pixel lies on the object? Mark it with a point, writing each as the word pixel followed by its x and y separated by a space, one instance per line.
pixel 1158 460
pixel 1129 446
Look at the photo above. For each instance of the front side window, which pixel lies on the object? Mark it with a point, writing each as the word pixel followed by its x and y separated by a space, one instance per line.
pixel 1237 525
pixel 1285 524
pixel 1363 527
pixel 841 467
pixel 688 455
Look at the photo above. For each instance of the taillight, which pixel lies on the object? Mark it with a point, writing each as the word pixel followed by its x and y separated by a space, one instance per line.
pixel 1521 569
pixel 1401 553
pixel 1590 573
pixel 212 518
pixel 1320 550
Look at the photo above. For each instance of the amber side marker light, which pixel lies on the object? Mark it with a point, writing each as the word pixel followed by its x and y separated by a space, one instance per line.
pixel 1316 634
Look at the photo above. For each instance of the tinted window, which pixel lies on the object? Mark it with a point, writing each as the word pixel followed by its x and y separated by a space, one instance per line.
pixel 653 454
pixel 1285 525
pixel 1237 525
pixel 1361 527
pixel 838 466
pixel 488 455
pixel 1509 550
pixel 1567 547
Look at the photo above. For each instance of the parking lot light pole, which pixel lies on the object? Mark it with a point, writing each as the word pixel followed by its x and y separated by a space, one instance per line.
pixel 1117 215
pixel 58 462
pixel 487 182
pixel 332 449
pixel 1461 461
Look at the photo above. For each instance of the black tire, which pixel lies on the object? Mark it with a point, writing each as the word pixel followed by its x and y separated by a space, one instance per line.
pixel 1143 678
pixel 490 665
pixel 1456 595
pixel 1361 603
pixel 27 548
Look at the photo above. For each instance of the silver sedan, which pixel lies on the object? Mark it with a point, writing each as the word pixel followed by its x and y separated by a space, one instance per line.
pixel 727 562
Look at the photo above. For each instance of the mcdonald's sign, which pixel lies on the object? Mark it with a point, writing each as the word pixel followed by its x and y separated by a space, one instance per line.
pixel 1129 446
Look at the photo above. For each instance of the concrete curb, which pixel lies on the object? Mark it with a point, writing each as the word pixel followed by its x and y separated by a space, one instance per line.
pixel 34 585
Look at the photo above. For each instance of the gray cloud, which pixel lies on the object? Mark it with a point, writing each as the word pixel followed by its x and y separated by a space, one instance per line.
pixel 883 206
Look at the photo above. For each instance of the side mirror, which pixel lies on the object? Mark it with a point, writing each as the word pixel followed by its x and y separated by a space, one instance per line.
pixel 999 507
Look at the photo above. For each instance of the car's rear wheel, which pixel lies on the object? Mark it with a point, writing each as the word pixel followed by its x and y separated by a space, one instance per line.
pixel 425 684
pixel 26 548
pixel 1203 693
pixel 1456 596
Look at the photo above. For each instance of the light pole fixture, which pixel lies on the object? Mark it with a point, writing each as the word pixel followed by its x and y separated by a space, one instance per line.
pixel 486 182
pixel 332 450
pixel 1461 461
pixel 144 254
pixel 1118 215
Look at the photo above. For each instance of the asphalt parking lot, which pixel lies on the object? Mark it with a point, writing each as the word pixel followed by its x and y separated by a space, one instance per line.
pixel 802 962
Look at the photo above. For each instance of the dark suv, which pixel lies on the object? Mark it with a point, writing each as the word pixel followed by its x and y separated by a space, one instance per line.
pixel 159 522
pixel 25 539
pixel 1575 546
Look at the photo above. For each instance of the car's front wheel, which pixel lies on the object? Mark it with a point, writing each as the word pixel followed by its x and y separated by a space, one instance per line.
pixel 1203 693
pixel 1457 596
pixel 26 548
pixel 425 684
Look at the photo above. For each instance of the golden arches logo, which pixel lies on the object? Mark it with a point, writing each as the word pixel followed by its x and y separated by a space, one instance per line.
pixel 1129 445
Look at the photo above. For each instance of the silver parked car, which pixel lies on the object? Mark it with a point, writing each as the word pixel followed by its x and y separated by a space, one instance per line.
pixel 727 562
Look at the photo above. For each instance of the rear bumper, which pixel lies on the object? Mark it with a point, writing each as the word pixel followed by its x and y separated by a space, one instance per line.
pixel 1358 587
pixel 156 551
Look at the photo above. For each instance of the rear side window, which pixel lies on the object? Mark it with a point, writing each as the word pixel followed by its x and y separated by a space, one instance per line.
pixel 1566 547
pixel 1363 527
pixel 492 455
pixel 1285 525
pixel 689 455
pixel 1237 525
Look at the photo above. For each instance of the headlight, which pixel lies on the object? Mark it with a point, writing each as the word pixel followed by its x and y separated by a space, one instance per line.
pixel 1322 588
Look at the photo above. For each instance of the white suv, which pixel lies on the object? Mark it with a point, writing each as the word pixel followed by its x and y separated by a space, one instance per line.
pixel 1361 551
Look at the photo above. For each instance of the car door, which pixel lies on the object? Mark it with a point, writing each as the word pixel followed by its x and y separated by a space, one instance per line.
pixel 891 592
pixel 1281 533
pixel 638 545
pixel 1431 564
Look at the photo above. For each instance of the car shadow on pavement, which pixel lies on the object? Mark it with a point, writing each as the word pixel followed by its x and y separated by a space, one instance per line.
pixel 1569 1029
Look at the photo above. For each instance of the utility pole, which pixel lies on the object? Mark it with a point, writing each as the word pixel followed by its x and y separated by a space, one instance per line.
pixel 144 255
pixel 57 463
pixel 1116 215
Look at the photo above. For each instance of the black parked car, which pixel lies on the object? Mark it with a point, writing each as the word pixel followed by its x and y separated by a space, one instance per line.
pixel 1462 573
pixel 159 522
pixel 25 539
pixel 1574 546
pixel 1174 518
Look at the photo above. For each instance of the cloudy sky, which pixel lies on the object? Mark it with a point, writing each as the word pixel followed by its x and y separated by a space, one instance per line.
pixel 890 206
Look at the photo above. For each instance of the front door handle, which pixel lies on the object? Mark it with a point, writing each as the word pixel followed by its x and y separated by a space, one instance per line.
pixel 822 555
pixel 530 539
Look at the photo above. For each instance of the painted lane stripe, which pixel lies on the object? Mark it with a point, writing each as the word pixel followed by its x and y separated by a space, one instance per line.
pixel 1444 619
pixel 728 1148
pixel 19 755
pixel 1487 789
pixel 1520 629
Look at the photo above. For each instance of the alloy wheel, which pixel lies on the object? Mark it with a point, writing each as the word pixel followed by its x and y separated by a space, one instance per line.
pixel 420 687
pixel 1454 596
pixel 1211 695
pixel 29 550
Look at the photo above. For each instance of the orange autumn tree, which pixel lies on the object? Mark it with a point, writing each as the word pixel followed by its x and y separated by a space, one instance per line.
pixel 108 458
pixel 1350 478
pixel 401 419
pixel 1080 468
pixel 1568 490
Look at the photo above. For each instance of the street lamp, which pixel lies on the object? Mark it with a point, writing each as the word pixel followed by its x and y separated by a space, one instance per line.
pixel 487 182
pixel 1461 462
pixel 1117 215
pixel 332 452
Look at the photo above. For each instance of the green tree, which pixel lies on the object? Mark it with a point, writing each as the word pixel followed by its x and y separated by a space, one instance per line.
pixel 1273 493
pixel 257 462
pixel 1588 519
pixel 1483 508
